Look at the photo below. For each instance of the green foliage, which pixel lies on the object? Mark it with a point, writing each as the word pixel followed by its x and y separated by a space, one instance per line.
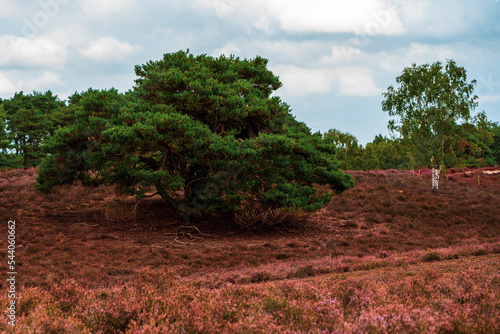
pixel 203 132
pixel 474 149
pixel 28 120
pixel 348 150
pixel 495 146
pixel 382 153
pixel 96 110
pixel 30 127
pixel 10 161
pixel 427 105
pixel 5 138
pixel 7 159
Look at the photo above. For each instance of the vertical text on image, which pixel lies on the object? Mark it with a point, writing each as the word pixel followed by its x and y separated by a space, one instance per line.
pixel 11 274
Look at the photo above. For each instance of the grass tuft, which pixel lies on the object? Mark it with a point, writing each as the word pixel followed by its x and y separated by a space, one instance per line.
pixel 431 256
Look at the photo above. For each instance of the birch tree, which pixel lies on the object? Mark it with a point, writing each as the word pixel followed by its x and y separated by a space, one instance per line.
pixel 426 107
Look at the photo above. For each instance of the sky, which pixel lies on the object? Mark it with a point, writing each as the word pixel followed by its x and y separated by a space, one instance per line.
pixel 335 58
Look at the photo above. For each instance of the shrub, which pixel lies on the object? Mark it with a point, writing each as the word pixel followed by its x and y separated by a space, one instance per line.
pixel 480 252
pixel 260 277
pixel 254 219
pixel 302 272
pixel 431 256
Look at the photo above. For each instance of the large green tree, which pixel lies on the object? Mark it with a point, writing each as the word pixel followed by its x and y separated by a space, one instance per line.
pixel 427 106
pixel 205 133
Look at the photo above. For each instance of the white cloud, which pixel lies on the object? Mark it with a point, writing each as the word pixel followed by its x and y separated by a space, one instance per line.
pixel 7 87
pixel 345 81
pixel 15 81
pixel 72 36
pixel 38 52
pixel 301 81
pixel 227 50
pixel 98 8
pixel 372 17
pixel 222 7
pixel 291 49
pixel 7 8
pixel 343 54
pixel 264 24
pixel 107 49
pixel 46 79
pixel 416 12
pixel 440 18
pixel 356 81
pixel 395 61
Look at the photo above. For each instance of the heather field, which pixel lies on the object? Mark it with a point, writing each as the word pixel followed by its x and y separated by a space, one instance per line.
pixel 387 256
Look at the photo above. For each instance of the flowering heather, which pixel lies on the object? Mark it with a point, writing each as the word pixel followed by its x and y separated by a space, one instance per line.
pixel 431 298
pixel 387 256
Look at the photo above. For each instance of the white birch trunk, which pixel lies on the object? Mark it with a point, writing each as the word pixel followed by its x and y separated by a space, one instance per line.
pixel 435 179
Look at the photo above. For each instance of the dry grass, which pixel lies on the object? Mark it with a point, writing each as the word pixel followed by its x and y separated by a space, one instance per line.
pixel 385 256
pixel 256 219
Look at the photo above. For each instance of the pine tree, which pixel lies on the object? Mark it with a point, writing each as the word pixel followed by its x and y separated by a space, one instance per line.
pixel 203 132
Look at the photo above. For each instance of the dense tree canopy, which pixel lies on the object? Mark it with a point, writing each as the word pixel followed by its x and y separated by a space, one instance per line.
pixel 495 146
pixel 203 132
pixel 381 153
pixel 386 153
pixel 349 151
pixel 5 140
pixel 7 158
pixel 475 148
pixel 27 120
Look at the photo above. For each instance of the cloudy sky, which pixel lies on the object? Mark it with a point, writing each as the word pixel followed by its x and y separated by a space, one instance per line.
pixel 335 58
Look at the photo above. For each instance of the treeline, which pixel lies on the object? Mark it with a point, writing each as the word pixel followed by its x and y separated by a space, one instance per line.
pixel 26 120
pixel 478 147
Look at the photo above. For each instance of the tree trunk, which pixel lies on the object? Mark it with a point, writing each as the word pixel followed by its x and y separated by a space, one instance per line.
pixel 435 179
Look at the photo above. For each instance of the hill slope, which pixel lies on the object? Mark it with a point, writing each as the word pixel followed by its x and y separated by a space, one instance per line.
pixel 385 256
